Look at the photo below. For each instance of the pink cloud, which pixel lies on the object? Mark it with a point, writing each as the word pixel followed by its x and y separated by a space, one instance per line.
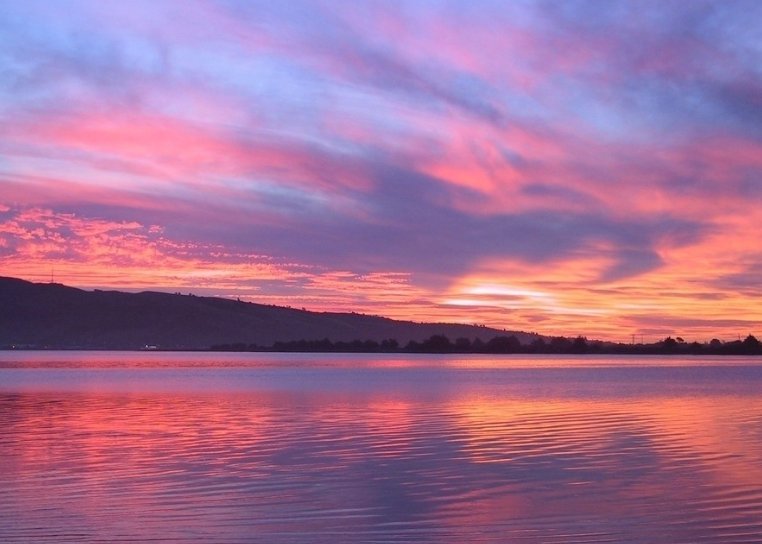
pixel 349 154
pixel 87 251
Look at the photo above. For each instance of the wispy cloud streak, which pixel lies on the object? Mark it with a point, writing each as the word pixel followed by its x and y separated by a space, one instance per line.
pixel 407 159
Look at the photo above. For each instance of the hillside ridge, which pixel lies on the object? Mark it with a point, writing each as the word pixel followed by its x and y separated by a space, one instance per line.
pixel 52 315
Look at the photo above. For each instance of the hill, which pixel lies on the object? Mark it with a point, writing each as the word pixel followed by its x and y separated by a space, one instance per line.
pixel 56 316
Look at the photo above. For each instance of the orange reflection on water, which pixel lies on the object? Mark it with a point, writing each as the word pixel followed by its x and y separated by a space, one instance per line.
pixel 392 453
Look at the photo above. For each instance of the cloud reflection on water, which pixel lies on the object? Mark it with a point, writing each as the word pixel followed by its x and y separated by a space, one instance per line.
pixel 348 454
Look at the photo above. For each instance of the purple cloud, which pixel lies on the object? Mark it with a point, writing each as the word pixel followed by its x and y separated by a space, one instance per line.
pixel 422 138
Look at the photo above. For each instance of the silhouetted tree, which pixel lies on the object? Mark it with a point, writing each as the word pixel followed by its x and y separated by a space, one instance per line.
pixel 503 344
pixel 751 345
pixel 370 346
pixel 538 345
pixel 559 344
pixel 462 345
pixel 579 345
pixel 413 347
pixel 437 344
pixel 669 344
pixel 390 345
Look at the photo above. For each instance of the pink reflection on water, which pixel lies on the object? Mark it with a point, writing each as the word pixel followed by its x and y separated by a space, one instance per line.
pixel 383 452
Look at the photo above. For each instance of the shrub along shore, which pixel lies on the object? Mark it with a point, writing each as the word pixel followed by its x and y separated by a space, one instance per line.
pixel 510 344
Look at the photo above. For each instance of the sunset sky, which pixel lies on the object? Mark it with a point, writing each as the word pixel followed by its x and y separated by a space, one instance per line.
pixel 561 167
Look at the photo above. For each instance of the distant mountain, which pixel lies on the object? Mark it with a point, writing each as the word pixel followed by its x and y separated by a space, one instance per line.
pixel 56 316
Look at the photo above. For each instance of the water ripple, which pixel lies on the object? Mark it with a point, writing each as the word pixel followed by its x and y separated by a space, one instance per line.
pixel 323 456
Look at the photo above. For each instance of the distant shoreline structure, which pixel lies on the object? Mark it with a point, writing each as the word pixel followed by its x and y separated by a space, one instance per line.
pixel 439 344
pixel 53 316
pixel 509 345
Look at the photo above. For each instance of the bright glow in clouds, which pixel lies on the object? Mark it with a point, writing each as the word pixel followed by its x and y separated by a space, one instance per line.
pixel 562 167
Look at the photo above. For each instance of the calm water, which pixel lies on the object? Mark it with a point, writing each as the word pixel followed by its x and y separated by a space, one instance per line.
pixel 354 449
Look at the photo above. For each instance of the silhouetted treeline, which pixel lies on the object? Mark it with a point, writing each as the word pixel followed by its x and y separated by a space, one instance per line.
pixel 510 344
pixel 677 346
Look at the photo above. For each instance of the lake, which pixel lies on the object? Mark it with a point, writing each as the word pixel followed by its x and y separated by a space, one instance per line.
pixel 337 448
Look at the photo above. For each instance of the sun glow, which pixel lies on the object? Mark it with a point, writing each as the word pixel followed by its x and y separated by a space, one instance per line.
pixel 356 165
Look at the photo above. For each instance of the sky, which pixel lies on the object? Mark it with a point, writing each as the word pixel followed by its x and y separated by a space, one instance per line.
pixel 562 167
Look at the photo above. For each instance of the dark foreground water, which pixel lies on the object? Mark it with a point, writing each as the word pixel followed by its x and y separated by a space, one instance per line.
pixel 354 449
